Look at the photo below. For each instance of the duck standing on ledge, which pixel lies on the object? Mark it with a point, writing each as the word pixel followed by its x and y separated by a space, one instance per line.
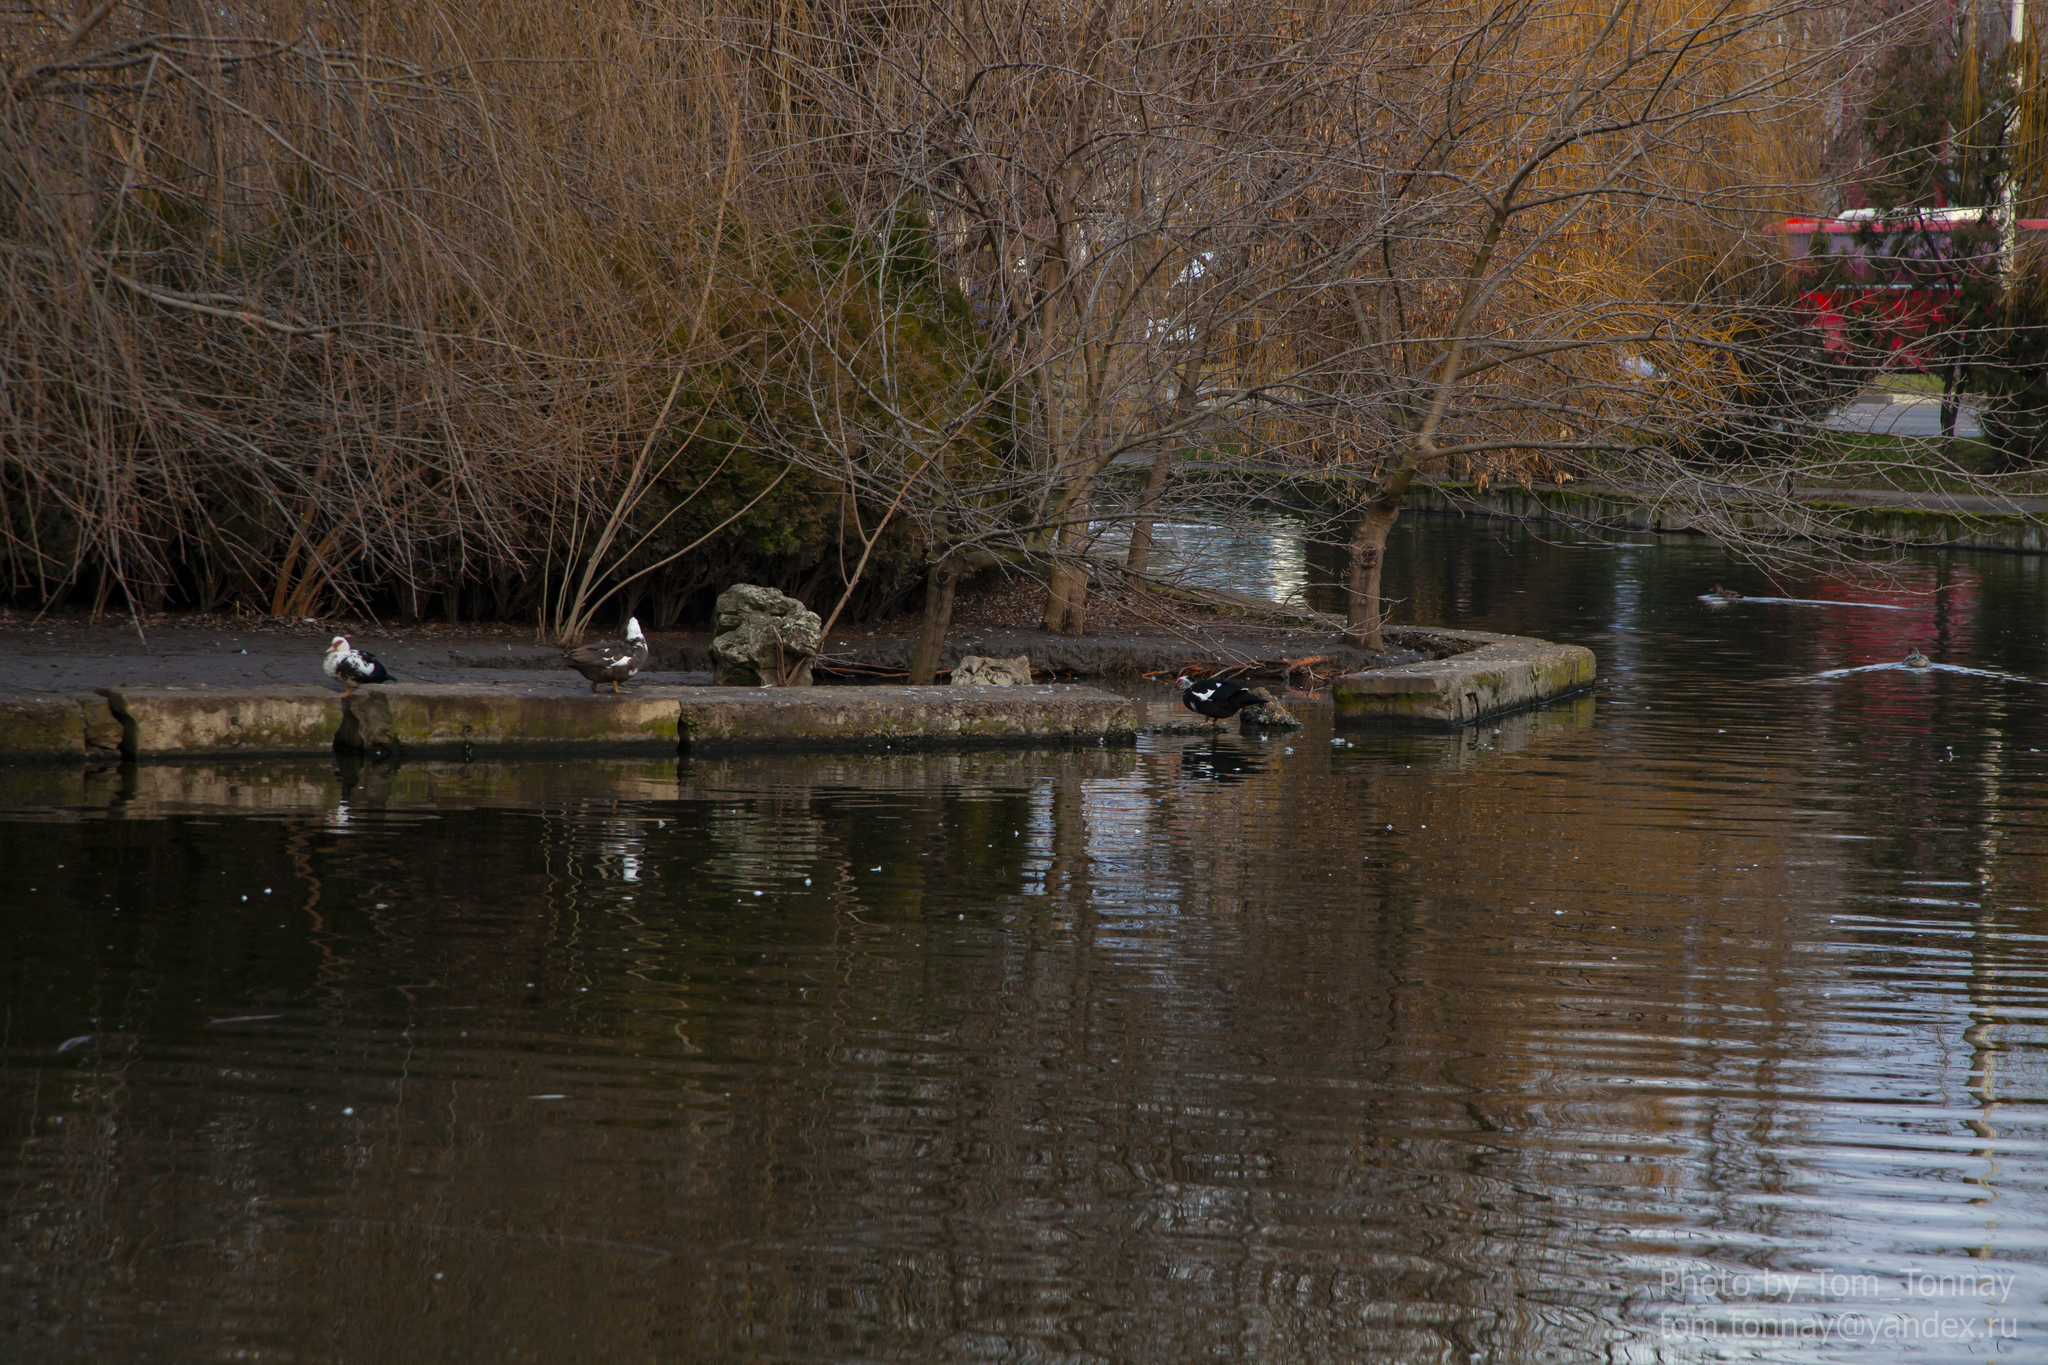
pixel 612 661
pixel 351 667
pixel 1216 698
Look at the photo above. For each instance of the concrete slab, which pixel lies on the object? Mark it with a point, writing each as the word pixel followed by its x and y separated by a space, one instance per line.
pixel 58 729
pixel 426 718
pixel 283 718
pixel 429 718
pixel 1492 675
pixel 715 718
pixel 451 718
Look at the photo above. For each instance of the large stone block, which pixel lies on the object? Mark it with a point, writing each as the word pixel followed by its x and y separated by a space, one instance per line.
pixel 763 639
pixel 1498 674
pixel 283 718
pixel 61 729
pixel 448 717
pixel 824 717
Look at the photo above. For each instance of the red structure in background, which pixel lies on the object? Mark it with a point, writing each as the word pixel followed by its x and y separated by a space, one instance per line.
pixel 1937 609
pixel 1890 277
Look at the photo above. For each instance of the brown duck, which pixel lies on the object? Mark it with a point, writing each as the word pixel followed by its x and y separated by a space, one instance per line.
pixel 610 661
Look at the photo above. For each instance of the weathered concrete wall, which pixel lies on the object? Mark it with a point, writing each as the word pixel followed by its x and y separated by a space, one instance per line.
pixel 444 717
pixel 60 729
pixel 447 718
pixel 283 718
pixel 429 718
pixel 1476 675
pixel 1494 675
pixel 2016 532
pixel 715 717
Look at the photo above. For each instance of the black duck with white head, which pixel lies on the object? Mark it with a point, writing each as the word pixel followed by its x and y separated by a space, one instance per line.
pixel 610 661
pixel 352 667
pixel 1216 698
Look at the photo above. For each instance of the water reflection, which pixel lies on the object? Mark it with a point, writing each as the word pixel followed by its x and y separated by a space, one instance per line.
pixel 1725 599
pixel 1908 666
pixel 1701 1019
pixel 1221 760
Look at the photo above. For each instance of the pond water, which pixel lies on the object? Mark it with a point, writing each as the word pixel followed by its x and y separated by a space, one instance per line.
pixel 1703 1018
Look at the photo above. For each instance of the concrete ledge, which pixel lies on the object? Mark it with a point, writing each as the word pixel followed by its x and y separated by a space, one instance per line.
pixel 60 729
pixel 452 718
pixel 1956 527
pixel 425 718
pixel 715 718
pixel 447 717
pixel 284 718
pixel 1494 674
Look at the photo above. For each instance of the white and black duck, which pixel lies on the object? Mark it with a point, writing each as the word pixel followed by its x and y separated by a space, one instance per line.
pixel 1216 698
pixel 610 661
pixel 352 667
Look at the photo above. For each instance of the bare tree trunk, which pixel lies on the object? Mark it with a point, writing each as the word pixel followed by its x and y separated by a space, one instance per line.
pixel 1948 412
pixel 1155 482
pixel 1148 507
pixel 938 615
pixel 1364 615
pixel 1066 597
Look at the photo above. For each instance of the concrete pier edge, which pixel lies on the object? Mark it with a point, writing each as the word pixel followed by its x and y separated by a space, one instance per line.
pixel 1926 526
pixel 1476 675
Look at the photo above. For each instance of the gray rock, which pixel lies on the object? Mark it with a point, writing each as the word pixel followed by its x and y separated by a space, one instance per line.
pixel 764 639
pixel 975 670
pixel 1179 727
pixel 1269 714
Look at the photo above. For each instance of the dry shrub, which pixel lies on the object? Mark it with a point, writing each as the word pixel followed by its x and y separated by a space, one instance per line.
pixel 309 303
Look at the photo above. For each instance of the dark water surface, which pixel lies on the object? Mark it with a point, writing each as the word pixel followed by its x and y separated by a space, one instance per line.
pixel 1705 1018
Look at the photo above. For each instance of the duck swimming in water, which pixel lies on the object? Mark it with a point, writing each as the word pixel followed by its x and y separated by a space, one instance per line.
pixel 1725 594
pixel 1915 659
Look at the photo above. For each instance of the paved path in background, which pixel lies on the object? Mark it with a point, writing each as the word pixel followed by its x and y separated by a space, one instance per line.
pixel 1903 415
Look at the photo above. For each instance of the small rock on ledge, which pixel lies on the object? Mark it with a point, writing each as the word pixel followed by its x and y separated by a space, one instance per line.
pixel 1269 714
pixel 976 670
pixel 1179 727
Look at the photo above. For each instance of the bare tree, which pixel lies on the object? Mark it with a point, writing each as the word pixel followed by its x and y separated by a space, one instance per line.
pixel 304 304
pixel 1516 239
pixel 1098 198
pixel 1546 221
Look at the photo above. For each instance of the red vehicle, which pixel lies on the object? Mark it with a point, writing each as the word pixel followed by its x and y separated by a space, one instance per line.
pixel 1892 277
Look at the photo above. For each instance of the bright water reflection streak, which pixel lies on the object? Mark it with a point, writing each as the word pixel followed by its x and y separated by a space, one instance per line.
pixel 1694 1021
